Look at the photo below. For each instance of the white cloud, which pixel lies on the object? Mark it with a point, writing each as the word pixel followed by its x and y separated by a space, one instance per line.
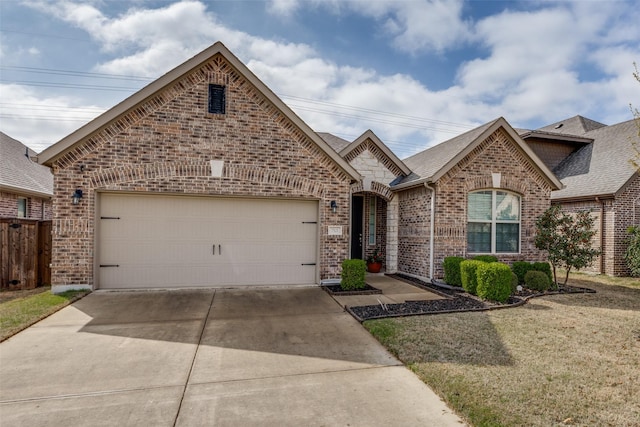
pixel 39 121
pixel 285 8
pixel 531 72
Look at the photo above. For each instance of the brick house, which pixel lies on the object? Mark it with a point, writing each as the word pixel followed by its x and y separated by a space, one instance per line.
pixel 26 187
pixel 206 178
pixel 593 162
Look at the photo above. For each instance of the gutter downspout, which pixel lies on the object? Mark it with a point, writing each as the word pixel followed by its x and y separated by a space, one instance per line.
pixel 601 234
pixel 431 228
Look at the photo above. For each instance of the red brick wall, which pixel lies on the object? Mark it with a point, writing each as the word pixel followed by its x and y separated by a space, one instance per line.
pixel 627 213
pixel 164 146
pixel 37 208
pixel 619 214
pixel 413 231
pixel 497 154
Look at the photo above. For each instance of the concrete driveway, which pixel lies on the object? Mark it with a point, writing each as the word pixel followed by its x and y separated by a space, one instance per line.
pixel 208 357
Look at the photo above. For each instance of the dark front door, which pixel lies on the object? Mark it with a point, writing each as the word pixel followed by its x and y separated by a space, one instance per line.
pixel 356 227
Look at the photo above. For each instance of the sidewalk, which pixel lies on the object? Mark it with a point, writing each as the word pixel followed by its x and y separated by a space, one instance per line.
pixel 393 292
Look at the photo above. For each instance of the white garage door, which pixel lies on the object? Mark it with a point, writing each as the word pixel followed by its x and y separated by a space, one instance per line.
pixel 180 241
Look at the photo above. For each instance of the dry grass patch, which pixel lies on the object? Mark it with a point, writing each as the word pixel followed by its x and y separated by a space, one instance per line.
pixel 558 360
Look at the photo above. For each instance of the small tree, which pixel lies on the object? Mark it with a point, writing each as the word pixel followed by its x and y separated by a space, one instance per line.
pixel 566 239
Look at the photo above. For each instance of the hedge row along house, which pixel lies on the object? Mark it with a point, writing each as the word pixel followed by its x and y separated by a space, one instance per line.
pixel 206 178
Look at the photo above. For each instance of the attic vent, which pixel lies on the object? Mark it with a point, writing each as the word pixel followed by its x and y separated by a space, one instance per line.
pixel 217 99
pixel 559 126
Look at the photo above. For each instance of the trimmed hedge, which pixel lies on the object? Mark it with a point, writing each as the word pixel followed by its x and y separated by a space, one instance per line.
pixel 520 268
pixel 485 258
pixel 545 267
pixel 514 283
pixel 494 281
pixel 451 265
pixel 469 276
pixel 353 274
pixel 537 280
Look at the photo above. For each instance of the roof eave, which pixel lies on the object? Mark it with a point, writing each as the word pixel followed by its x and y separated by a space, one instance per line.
pixel 25 192
pixel 411 184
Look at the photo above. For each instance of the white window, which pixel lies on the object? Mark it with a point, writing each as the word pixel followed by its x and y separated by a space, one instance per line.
pixel 493 222
pixel 22 207
pixel 372 220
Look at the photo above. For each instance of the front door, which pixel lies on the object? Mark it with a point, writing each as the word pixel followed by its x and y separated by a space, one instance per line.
pixel 356 226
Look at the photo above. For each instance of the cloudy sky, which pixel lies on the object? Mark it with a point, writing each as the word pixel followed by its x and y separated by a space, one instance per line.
pixel 415 72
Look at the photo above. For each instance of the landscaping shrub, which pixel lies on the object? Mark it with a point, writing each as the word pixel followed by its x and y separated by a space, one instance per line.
pixel 537 280
pixel 468 275
pixel 451 267
pixel 520 268
pixel 494 281
pixel 485 258
pixel 632 253
pixel 353 273
pixel 545 267
pixel 514 283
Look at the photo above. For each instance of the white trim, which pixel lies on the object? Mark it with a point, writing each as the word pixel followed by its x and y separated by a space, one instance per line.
pixel 493 221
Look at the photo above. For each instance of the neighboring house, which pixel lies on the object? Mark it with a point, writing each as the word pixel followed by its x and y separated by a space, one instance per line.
pixel 26 187
pixel 593 162
pixel 206 178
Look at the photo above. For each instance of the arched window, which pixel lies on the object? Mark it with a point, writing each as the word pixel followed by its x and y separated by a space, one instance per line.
pixel 493 222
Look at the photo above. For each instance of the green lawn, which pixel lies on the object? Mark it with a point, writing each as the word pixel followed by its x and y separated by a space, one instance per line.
pixel 557 360
pixel 20 313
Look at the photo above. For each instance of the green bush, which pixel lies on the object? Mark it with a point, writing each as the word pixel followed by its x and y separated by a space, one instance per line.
pixel 632 254
pixel 545 267
pixel 514 283
pixel 494 281
pixel 353 273
pixel 468 275
pixel 451 267
pixel 520 268
pixel 537 280
pixel 485 258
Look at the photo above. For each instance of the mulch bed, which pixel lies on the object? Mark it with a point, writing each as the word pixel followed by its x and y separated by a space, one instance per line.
pixel 456 300
pixel 338 291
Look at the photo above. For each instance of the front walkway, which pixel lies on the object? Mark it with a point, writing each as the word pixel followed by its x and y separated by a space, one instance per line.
pixel 393 292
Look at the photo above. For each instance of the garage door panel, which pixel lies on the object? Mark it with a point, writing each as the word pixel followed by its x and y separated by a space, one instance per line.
pixel 169 241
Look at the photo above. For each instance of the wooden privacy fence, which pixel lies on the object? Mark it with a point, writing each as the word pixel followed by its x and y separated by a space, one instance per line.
pixel 25 253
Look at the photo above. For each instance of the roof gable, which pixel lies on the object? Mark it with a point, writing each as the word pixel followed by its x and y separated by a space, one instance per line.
pixel 433 163
pixel 135 105
pixel 379 150
pixel 18 173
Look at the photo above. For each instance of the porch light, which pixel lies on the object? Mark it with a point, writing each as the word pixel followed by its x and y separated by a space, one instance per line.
pixel 76 196
pixel 334 206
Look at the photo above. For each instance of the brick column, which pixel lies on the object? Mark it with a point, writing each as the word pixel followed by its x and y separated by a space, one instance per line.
pixel 392 235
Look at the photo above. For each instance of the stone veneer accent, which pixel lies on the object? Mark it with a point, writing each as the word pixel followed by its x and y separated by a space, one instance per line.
pixel 165 145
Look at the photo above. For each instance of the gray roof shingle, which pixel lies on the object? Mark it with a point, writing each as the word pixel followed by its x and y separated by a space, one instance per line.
pixel 428 162
pixel 600 168
pixel 576 125
pixel 335 142
pixel 18 173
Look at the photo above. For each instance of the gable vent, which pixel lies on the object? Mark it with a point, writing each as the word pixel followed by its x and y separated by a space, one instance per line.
pixel 217 99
